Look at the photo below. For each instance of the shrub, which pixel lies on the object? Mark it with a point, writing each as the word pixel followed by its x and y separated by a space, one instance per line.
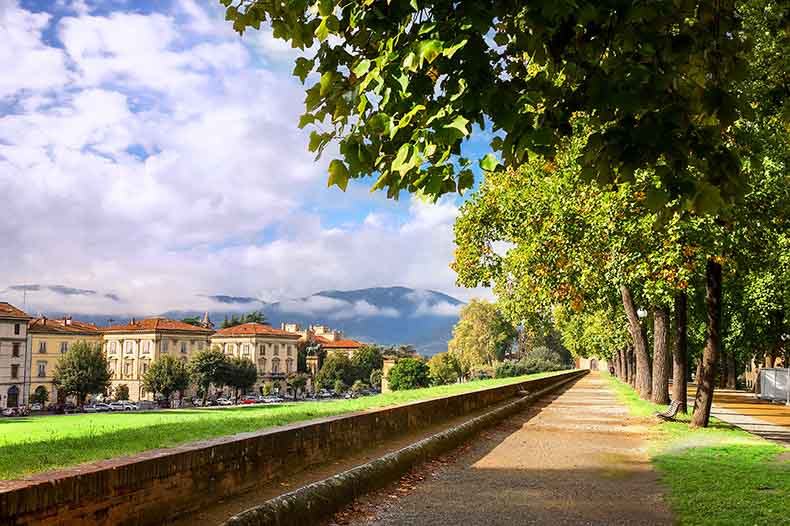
pixel 481 372
pixel 542 359
pixel 340 386
pixel 408 373
pixel 337 367
pixel 359 386
pixel 444 369
pixel 509 369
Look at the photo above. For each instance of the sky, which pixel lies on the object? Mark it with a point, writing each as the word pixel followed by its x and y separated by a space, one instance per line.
pixel 150 160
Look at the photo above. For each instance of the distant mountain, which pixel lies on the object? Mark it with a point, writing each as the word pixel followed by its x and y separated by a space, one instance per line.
pixel 383 315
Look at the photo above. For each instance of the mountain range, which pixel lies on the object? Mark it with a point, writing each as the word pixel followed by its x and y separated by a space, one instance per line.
pixel 382 315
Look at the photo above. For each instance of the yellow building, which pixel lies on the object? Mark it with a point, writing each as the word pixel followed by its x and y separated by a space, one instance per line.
pixel 14 356
pixel 49 340
pixel 132 348
pixel 273 351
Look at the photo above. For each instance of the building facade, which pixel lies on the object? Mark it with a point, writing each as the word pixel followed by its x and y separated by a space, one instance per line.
pixel 48 341
pixel 14 357
pixel 331 340
pixel 273 351
pixel 132 348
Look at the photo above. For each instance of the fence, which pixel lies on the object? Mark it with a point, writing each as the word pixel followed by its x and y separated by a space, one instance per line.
pixel 775 384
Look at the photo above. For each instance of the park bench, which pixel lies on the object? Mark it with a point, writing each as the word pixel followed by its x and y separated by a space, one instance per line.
pixel 670 412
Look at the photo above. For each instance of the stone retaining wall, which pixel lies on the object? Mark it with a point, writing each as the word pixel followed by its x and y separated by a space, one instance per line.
pixel 149 488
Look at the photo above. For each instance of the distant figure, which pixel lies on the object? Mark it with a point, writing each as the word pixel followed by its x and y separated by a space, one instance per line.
pixel 611 370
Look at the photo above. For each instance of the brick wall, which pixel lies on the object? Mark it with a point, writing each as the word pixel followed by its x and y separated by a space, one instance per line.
pixel 151 487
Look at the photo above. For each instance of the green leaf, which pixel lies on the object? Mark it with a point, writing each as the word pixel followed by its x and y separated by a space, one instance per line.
pixel 326 83
pixel 302 68
pixel 428 50
pixel 459 123
pixel 338 174
pixel 361 68
pixel 315 141
pixel 489 163
pixel 322 31
pixel 410 62
pixel 450 51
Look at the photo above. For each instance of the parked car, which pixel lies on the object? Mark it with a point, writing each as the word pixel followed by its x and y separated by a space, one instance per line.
pixel 36 407
pixel 123 405
pixel 325 393
pixel 249 399
pixel 224 401
pixel 16 411
pixel 272 400
pixel 98 408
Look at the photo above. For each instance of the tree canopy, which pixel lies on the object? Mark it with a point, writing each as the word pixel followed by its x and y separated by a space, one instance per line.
pixel 481 336
pixel 167 375
pixel 82 371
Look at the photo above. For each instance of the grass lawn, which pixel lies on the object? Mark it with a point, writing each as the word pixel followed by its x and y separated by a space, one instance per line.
pixel 30 445
pixel 719 475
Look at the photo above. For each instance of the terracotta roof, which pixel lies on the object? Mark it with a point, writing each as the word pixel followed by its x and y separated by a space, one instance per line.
pixel 338 344
pixel 9 311
pixel 46 325
pixel 159 325
pixel 255 329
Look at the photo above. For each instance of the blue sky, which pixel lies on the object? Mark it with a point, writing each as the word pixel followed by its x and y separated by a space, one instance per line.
pixel 152 154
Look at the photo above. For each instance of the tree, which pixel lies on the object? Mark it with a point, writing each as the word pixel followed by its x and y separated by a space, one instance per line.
pixel 166 376
pixel 250 317
pixel 208 367
pixel 121 392
pixel 365 360
pixel 481 335
pixel 375 379
pixel 240 374
pixel 336 367
pixel 436 68
pixel 40 395
pixel 83 370
pixel 408 373
pixel 296 381
pixel 444 369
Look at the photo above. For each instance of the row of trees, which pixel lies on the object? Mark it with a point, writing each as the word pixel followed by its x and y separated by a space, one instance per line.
pixel 639 158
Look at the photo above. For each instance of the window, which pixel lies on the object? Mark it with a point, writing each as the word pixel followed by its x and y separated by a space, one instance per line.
pixel 183 347
pixel 246 348
pixel 42 369
pixel 201 345
pixel 127 368
pixel 17 329
pixel 145 367
pixel 129 346
pixel 15 349
pixel 14 371
pixel 112 346
pixel 42 347
pixel 262 365
pixel 64 346
pixel 164 345
pixel 290 350
pixel 275 366
pixel 261 350
pixel 277 349
pixel 289 365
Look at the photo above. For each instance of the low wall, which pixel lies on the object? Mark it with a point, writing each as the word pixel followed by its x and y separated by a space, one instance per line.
pixel 151 487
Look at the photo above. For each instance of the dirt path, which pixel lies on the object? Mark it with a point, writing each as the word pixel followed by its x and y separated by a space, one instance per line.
pixel 574 458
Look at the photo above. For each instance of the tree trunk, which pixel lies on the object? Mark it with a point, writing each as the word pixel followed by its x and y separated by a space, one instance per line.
pixel 661 358
pixel 769 360
pixel 698 374
pixel 680 356
pixel 643 381
pixel 722 370
pixel 732 372
pixel 627 365
pixel 621 364
pixel 705 387
pixel 632 364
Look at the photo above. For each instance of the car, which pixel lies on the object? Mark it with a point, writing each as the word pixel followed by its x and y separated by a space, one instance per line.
pixel 249 399
pixel 97 408
pixel 325 393
pixel 16 411
pixel 224 401
pixel 36 407
pixel 123 405
pixel 272 400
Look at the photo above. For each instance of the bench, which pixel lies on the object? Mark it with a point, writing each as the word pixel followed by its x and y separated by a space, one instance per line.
pixel 670 412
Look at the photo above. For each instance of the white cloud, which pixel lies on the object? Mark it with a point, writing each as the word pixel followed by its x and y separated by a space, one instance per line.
pixel 441 308
pixel 154 157
pixel 334 308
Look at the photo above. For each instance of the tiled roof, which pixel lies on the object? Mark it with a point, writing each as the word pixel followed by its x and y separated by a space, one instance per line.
pixel 45 325
pixel 338 344
pixel 9 311
pixel 255 329
pixel 159 325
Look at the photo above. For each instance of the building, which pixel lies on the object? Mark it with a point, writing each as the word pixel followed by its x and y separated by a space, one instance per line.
pixel 14 357
pixel 48 341
pixel 132 348
pixel 331 340
pixel 273 351
pixel 593 363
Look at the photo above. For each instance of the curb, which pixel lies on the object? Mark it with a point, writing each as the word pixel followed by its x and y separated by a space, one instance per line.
pixel 314 502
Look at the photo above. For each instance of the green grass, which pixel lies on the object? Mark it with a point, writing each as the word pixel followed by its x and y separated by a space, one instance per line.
pixel 719 475
pixel 36 444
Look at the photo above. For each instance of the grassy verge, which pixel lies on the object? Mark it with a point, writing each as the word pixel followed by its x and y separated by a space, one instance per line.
pixel 30 445
pixel 716 476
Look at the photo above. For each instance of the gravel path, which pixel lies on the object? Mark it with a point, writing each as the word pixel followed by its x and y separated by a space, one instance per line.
pixel 573 458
